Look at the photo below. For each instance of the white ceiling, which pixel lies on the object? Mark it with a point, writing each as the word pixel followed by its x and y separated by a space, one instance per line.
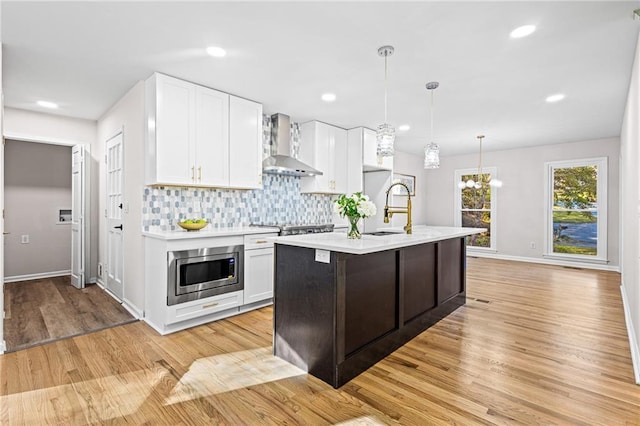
pixel 86 55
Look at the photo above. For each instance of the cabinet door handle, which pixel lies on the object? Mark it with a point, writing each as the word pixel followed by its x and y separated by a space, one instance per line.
pixel 210 305
pixel 200 173
pixel 193 173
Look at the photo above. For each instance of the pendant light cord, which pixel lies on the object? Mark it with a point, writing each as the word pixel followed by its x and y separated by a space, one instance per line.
pixel 385 88
pixel 431 141
pixel 480 162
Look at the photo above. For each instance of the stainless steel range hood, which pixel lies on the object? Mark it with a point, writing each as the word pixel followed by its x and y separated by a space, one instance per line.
pixel 281 162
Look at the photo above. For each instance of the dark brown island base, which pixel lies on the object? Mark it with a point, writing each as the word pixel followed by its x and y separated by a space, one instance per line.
pixel 337 319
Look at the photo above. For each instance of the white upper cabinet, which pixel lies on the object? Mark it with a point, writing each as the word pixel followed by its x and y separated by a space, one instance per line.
pixel 211 153
pixel 370 159
pixel 324 147
pixel 198 136
pixel 170 126
pixel 245 143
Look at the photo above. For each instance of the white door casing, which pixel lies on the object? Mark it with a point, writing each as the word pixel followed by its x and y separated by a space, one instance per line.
pixel 78 278
pixel 114 267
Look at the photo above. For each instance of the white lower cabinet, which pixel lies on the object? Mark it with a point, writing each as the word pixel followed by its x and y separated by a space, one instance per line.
pixel 197 308
pixel 258 280
pixel 258 268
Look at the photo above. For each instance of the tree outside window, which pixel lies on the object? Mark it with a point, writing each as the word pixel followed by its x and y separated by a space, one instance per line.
pixel 476 207
pixel 577 213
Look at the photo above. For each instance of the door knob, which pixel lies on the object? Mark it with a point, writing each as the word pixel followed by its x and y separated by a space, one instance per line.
pixel 120 205
pixel 118 227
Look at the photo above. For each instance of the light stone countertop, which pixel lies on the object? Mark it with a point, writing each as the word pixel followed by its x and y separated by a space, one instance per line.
pixel 209 232
pixel 338 241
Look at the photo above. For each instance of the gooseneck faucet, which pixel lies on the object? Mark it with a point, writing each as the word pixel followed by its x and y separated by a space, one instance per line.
pixel 390 210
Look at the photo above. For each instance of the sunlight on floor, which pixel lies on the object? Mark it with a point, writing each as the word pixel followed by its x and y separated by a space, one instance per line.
pixel 227 372
pixel 364 421
pixel 95 400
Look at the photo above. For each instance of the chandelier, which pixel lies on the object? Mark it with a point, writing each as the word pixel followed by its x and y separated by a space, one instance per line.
pixel 432 150
pixel 386 133
pixel 480 180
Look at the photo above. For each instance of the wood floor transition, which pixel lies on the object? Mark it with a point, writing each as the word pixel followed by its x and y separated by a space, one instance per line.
pixel 534 345
pixel 44 310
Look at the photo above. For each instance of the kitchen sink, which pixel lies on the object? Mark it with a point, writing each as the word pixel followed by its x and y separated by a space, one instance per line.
pixel 381 233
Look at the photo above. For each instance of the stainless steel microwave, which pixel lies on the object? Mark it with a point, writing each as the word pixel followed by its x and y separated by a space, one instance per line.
pixel 196 274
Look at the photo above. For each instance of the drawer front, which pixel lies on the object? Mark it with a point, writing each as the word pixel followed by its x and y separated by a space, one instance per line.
pixel 257 241
pixel 198 308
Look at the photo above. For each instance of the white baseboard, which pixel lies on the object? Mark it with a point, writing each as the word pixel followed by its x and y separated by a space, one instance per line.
pixel 130 307
pixel 38 276
pixel 3 347
pixel 554 262
pixel 133 309
pixel 633 343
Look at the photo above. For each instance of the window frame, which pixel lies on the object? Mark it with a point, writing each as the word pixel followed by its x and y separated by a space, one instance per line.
pixel 601 219
pixel 493 171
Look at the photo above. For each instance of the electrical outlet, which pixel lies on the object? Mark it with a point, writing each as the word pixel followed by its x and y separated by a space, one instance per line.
pixel 25 239
pixel 532 245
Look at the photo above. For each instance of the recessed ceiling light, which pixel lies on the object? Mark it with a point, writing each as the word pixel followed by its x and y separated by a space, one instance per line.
pixel 555 98
pixel 404 127
pixel 523 31
pixel 47 104
pixel 328 97
pixel 217 52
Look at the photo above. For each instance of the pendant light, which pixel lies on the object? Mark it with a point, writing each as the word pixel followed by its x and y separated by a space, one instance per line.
pixel 432 150
pixel 386 133
pixel 479 182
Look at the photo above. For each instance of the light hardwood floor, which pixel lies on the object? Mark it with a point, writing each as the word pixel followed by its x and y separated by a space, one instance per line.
pixel 534 345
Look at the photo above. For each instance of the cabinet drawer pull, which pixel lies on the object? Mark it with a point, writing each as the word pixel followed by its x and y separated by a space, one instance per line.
pixel 210 305
pixel 261 241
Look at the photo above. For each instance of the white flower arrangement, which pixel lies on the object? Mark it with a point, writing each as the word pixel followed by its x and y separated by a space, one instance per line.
pixel 355 205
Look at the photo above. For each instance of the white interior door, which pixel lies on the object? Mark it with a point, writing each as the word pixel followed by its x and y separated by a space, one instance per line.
pixel 77 216
pixel 114 267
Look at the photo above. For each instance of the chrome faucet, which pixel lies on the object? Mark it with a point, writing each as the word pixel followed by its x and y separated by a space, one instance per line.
pixel 390 210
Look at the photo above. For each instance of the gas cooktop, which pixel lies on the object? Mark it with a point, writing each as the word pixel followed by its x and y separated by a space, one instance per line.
pixel 297 229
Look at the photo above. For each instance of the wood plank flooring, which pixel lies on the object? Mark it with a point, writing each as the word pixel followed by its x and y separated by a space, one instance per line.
pixel 40 311
pixel 534 345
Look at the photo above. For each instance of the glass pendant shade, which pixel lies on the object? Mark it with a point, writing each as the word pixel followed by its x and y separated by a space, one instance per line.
pixel 432 150
pixel 385 137
pixel 432 156
pixel 386 133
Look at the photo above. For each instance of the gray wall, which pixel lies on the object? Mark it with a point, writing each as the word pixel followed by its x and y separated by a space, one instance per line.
pixel 37 185
pixel 34 126
pixel 521 203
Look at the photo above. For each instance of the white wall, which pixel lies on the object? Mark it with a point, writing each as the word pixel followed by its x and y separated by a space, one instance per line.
pixel 413 165
pixel 127 114
pixel 37 185
pixel 630 213
pixel 20 123
pixel 27 125
pixel 521 203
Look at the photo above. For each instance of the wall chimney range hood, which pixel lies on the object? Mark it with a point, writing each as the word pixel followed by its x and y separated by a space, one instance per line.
pixel 281 162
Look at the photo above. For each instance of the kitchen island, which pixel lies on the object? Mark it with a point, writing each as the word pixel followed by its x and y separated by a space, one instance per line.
pixel 342 305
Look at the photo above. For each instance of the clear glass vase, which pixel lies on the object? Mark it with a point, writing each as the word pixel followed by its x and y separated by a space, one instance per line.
pixel 354 232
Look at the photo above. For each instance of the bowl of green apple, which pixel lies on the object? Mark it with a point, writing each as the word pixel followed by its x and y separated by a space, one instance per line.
pixel 192 224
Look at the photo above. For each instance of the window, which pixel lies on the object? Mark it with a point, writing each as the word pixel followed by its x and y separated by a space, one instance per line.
pixel 476 207
pixel 576 222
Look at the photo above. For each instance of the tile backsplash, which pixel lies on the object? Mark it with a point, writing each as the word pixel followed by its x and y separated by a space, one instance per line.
pixel 279 201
